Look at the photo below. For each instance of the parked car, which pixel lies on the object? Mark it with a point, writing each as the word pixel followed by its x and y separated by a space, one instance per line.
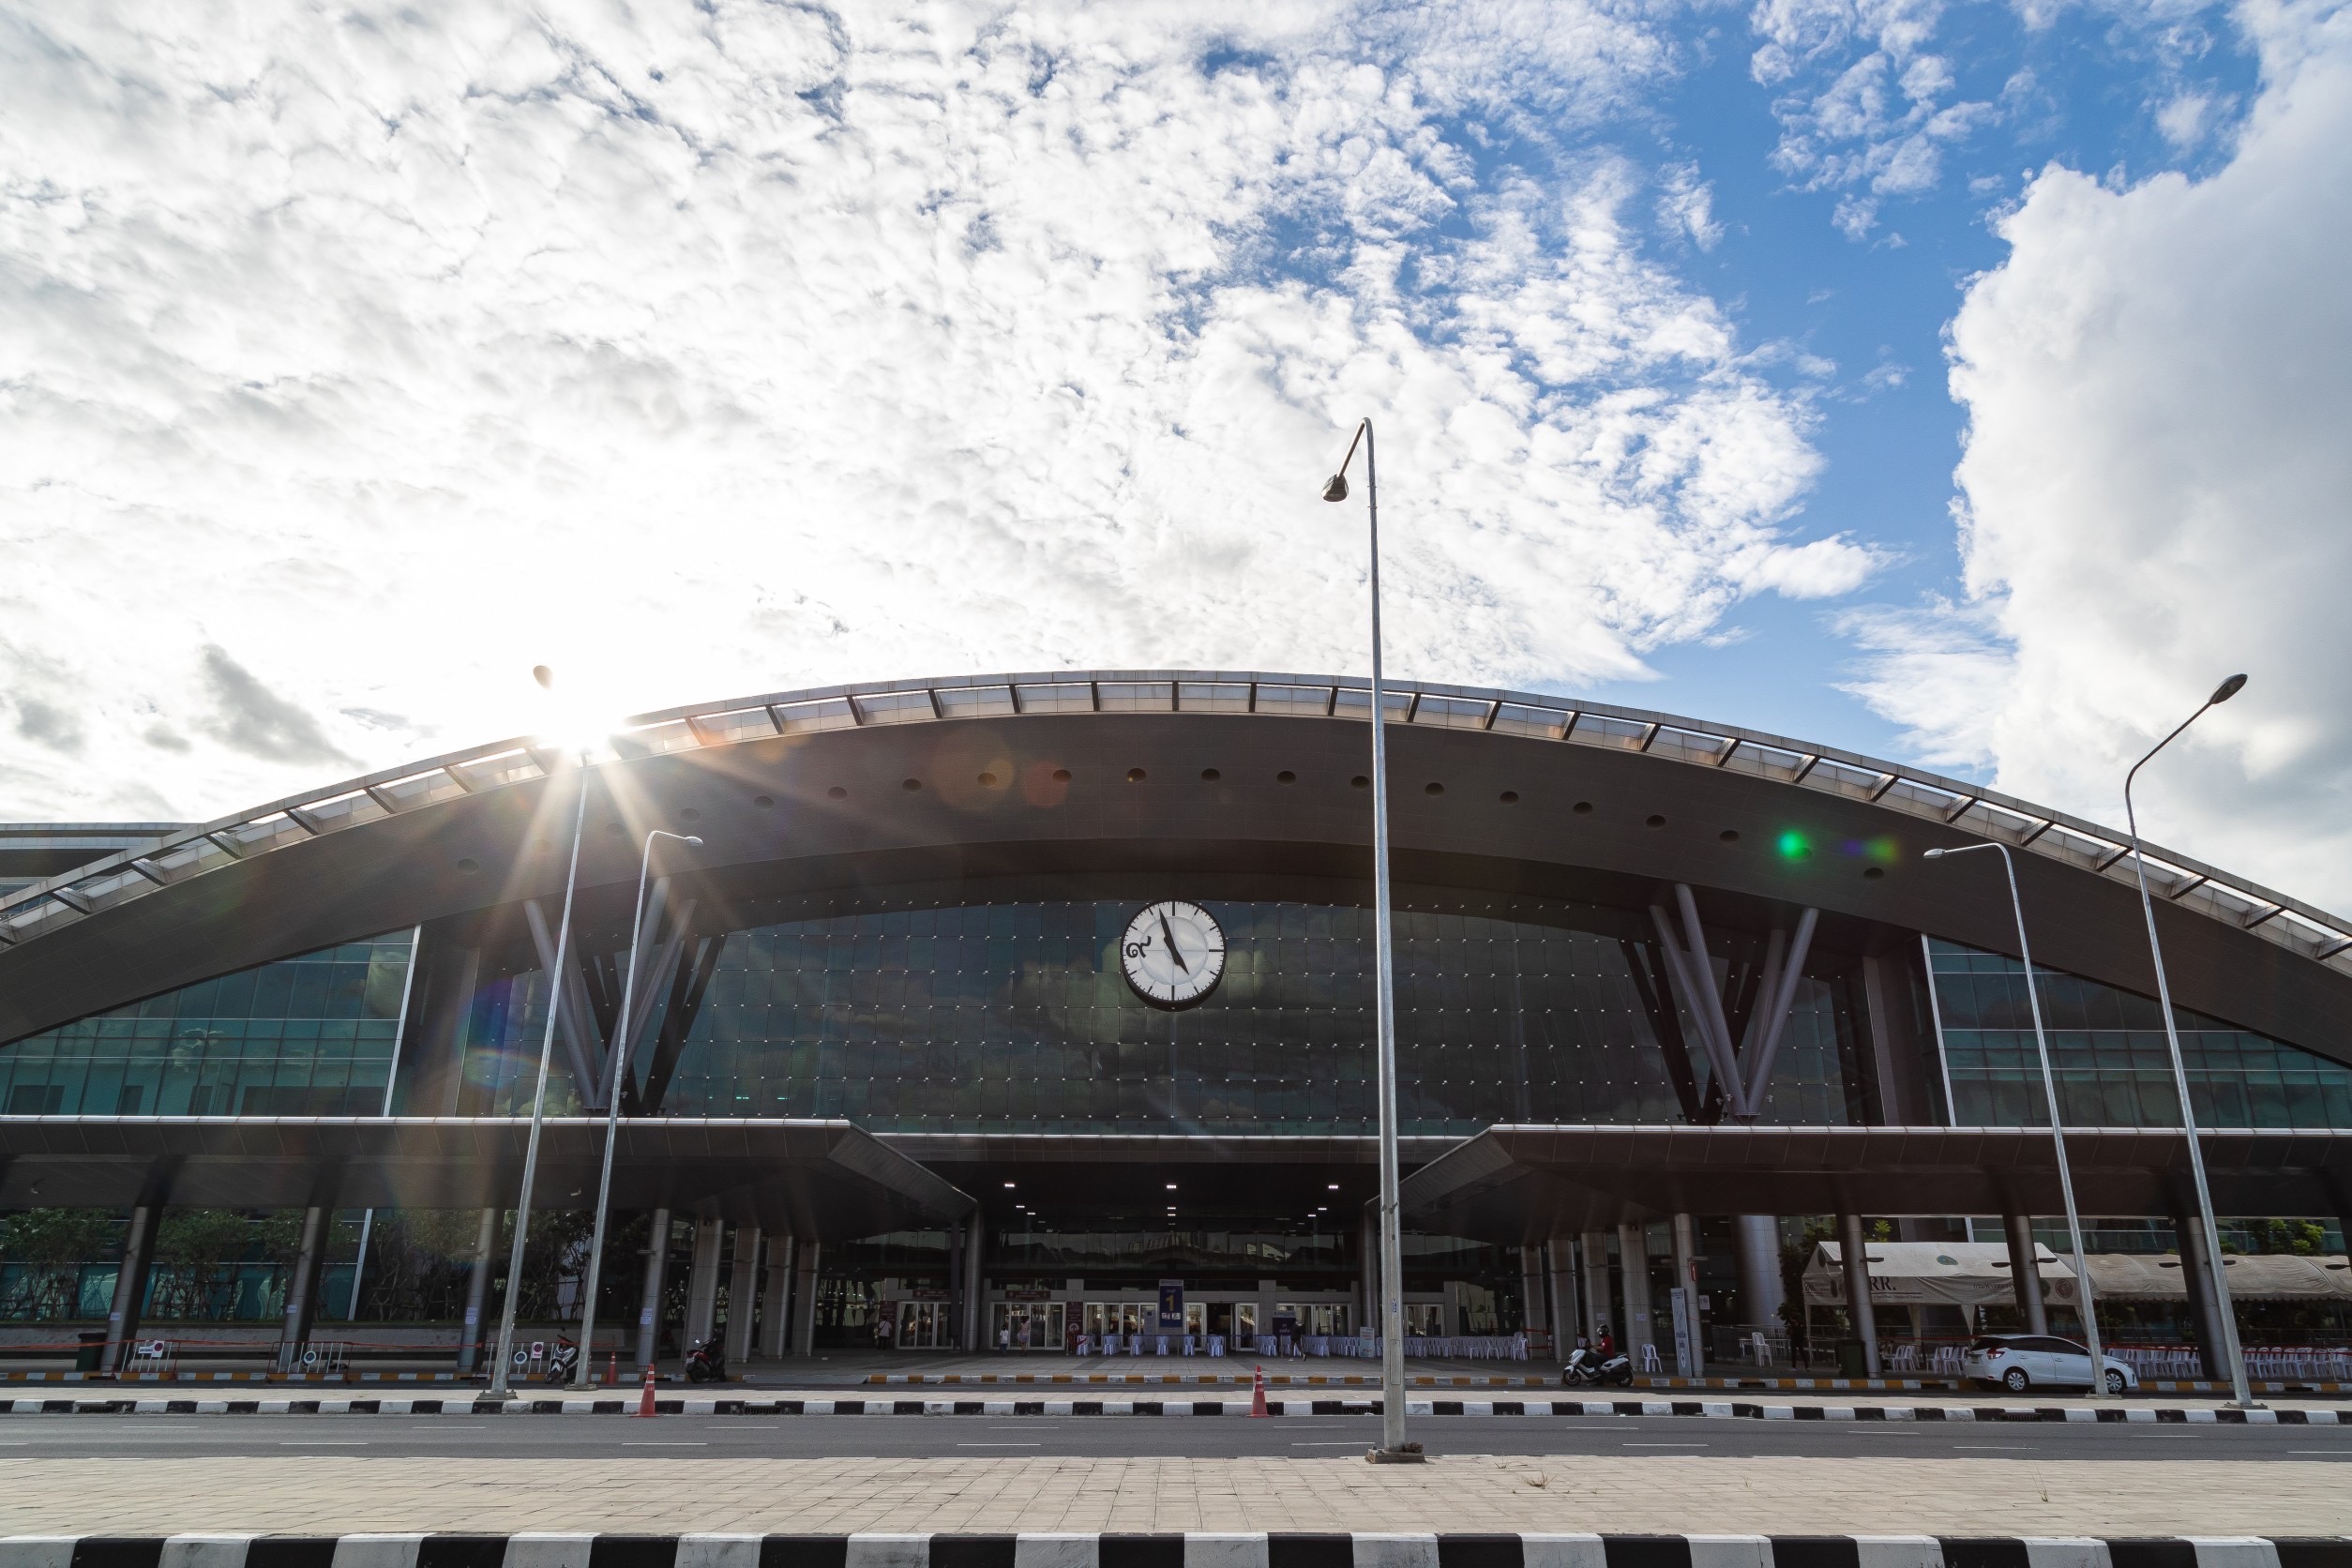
pixel 2018 1362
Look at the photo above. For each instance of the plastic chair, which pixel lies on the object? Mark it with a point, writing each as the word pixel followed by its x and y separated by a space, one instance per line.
pixel 1650 1361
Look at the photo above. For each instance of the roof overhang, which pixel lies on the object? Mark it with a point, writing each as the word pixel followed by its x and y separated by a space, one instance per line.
pixel 822 1180
pixel 1517 1184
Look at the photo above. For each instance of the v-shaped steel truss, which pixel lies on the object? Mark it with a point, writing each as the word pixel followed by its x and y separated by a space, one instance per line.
pixel 1741 1066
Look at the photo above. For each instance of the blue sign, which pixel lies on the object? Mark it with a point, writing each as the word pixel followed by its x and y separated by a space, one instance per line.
pixel 1172 1306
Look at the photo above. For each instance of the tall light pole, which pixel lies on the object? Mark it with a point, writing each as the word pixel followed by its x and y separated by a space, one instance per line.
pixel 2058 1131
pixel 1391 1276
pixel 623 1037
pixel 2227 1327
pixel 499 1387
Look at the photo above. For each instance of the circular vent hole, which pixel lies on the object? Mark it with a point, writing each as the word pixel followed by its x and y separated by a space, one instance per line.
pixel 1510 797
pixel 1285 777
pixel 1433 788
pixel 1582 809
pixel 1210 775
pixel 1655 821
pixel 910 785
pixel 1359 782
pixel 837 792
pixel 764 802
pixel 469 866
pixel 1874 873
pixel 1062 775
pixel 689 815
pixel 1730 836
pixel 987 781
pixel 1135 775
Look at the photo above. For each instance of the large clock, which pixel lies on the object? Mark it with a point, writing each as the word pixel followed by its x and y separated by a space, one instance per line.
pixel 1172 954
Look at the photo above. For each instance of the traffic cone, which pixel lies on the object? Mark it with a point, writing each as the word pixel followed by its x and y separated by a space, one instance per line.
pixel 645 1401
pixel 1258 1394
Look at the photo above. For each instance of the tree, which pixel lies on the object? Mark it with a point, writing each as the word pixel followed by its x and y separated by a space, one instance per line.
pixel 53 1245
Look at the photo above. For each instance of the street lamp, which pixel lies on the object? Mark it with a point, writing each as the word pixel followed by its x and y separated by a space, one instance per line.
pixel 623 1037
pixel 1391 1276
pixel 2058 1134
pixel 499 1387
pixel 2227 1327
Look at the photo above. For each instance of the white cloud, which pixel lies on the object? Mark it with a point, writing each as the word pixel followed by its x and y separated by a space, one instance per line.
pixel 2158 383
pixel 361 358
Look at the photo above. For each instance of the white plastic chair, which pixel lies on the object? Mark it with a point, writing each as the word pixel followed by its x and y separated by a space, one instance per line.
pixel 1650 1361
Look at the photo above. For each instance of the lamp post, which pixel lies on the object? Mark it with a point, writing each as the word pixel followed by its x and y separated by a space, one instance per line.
pixel 1392 1275
pixel 623 1037
pixel 2228 1326
pixel 2058 1132
pixel 499 1387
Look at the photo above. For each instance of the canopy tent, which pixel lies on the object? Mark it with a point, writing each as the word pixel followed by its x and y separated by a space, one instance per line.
pixel 2130 1276
pixel 1934 1273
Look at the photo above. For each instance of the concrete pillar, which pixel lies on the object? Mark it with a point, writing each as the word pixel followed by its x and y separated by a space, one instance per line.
pixel 1686 1279
pixel 131 1287
pixel 1633 1259
pixel 302 1286
pixel 743 1294
pixel 1560 1269
pixel 975 1286
pixel 1762 1293
pixel 649 1303
pixel 2196 1277
pixel 1597 1310
pixel 2025 1272
pixel 1368 1269
pixel 476 1294
pixel 710 1237
pixel 775 1304
pixel 804 1307
pixel 1854 1253
pixel 1532 1315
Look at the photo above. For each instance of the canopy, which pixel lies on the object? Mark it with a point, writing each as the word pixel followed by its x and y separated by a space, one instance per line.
pixel 2125 1276
pixel 1934 1273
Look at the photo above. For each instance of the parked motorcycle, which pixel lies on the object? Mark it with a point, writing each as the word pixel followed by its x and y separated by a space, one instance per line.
pixel 1585 1369
pixel 563 1361
pixel 707 1364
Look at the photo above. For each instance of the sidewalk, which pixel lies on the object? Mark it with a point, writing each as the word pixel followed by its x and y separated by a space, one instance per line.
pixel 1659 1495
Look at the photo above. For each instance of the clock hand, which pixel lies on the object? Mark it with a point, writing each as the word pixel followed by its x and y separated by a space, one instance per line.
pixel 1174 951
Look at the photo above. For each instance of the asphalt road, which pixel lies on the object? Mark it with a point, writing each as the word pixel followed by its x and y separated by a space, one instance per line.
pixel 1116 1437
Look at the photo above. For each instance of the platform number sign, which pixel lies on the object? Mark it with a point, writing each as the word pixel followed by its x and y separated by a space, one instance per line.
pixel 1172 953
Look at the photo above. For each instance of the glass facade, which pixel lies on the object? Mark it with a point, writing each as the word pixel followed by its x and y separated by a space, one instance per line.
pixel 2108 1054
pixel 1015 1017
pixel 304 1036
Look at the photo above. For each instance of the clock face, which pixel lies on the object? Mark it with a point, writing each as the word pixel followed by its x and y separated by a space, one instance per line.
pixel 1173 953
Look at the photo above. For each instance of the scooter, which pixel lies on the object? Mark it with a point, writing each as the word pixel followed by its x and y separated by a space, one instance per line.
pixel 560 1364
pixel 1585 1368
pixel 707 1364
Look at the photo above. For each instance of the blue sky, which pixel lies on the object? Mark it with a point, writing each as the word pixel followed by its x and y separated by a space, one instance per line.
pixel 1958 381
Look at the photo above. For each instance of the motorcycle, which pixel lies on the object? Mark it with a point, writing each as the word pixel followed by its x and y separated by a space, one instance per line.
pixel 707 1364
pixel 1585 1368
pixel 563 1362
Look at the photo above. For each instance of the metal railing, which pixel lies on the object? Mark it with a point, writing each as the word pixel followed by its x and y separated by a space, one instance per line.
pixel 31 913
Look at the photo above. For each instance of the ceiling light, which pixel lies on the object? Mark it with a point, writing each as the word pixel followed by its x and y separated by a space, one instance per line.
pixel 1334 1188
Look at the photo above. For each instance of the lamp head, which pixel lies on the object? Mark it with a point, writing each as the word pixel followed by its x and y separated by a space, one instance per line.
pixel 545 677
pixel 2226 690
pixel 691 839
pixel 1934 855
pixel 1337 489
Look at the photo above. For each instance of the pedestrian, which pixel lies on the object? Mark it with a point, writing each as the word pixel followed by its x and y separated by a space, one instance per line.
pixel 1607 1346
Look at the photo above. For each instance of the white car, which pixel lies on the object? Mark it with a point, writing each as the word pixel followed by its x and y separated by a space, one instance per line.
pixel 2018 1362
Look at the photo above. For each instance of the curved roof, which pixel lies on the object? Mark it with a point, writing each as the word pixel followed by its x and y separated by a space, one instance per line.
pixel 1799 777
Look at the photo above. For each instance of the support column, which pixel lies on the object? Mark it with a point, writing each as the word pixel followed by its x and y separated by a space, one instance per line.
pixel 476 1294
pixel 975 1289
pixel 1633 1258
pixel 1686 1279
pixel 1532 1317
pixel 1597 1310
pixel 1567 1319
pixel 710 1236
pixel 1762 1293
pixel 1854 1253
pixel 2196 1271
pixel 775 1303
pixel 2025 1272
pixel 1368 1269
pixel 131 1287
pixel 743 1294
pixel 649 1304
pixel 804 1308
pixel 302 1287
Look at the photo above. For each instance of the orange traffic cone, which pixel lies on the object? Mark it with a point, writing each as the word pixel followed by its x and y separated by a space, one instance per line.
pixel 645 1401
pixel 1258 1394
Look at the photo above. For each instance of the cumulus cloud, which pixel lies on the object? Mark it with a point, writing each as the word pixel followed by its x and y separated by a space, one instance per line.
pixel 704 349
pixel 2158 382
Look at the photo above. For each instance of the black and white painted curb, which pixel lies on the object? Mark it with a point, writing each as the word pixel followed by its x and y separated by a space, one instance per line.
pixel 1166 1551
pixel 1727 1410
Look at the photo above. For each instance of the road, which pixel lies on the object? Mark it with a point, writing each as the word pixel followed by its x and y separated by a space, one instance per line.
pixel 1106 1436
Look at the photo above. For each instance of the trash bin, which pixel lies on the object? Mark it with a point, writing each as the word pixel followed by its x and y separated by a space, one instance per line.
pixel 1852 1361
pixel 92 1350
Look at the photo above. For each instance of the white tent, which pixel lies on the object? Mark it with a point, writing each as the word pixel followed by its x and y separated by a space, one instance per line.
pixel 2138 1276
pixel 1934 1273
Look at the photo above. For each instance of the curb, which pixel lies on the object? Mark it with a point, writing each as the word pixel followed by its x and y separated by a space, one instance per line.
pixel 1168 1551
pixel 1706 1409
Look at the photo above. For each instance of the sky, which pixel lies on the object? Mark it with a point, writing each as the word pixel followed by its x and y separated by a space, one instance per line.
pixel 1958 383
